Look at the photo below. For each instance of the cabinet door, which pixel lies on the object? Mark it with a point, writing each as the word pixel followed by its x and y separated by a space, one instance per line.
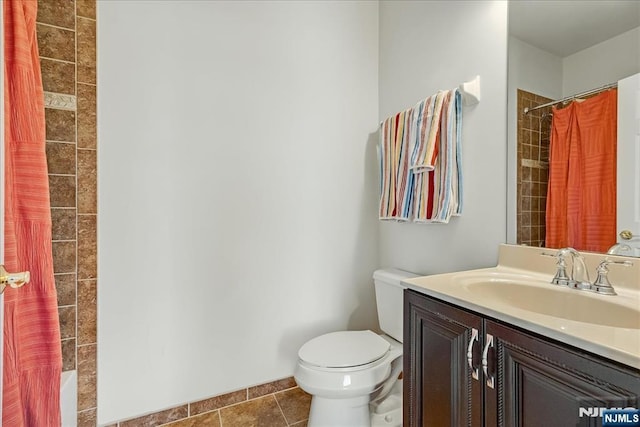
pixel 539 383
pixel 438 386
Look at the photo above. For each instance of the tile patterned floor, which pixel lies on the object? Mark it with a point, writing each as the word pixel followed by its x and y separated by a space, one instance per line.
pixel 277 404
pixel 284 409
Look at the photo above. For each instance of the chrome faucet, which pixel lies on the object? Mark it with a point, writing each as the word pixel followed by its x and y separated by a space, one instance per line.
pixel 602 284
pixel 620 249
pixel 561 278
pixel 579 278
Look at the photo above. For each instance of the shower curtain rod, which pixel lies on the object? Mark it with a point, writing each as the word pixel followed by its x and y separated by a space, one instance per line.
pixel 572 97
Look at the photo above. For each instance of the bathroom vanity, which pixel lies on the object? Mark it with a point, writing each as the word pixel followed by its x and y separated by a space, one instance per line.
pixel 504 347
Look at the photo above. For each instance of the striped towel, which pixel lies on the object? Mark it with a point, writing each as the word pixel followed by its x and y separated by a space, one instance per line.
pixel 457 136
pixel 449 188
pixel 446 195
pixel 420 161
pixel 396 180
pixel 426 134
pixel 426 161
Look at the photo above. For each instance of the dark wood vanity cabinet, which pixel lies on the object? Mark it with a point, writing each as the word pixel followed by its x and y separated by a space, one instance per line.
pixel 438 387
pixel 536 382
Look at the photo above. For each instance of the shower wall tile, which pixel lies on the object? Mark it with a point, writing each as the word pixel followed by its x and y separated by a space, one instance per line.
pixel 63 221
pixel 86 116
pixel 64 257
pixel 61 158
pixel 68 355
pixel 157 418
pixel 58 76
pixel 60 101
pixel 56 12
pixel 87 312
pixel 62 191
pixel 86 8
pixel 61 125
pixel 67 317
pixel 86 377
pixel 87 180
pixel 56 43
pixel 532 170
pixel 86 29
pixel 66 289
pixel 87 247
pixel 87 418
pixel 65 36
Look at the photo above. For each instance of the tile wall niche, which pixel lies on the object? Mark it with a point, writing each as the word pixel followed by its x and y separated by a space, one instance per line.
pixel 534 130
pixel 66 32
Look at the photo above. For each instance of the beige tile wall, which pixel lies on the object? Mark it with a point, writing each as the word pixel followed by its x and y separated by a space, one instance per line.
pixel 67 46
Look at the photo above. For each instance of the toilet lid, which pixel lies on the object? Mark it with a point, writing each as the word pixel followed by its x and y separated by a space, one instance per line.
pixel 344 349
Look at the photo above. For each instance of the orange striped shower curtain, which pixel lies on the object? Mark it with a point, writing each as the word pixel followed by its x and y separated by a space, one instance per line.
pixel 581 199
pixel 32 354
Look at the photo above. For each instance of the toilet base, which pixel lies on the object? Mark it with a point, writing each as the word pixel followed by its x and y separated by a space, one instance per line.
pixel 353 412
pixel 357 411
pixel 388 412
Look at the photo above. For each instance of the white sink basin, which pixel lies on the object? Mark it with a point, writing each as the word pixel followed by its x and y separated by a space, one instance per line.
pixel 556 301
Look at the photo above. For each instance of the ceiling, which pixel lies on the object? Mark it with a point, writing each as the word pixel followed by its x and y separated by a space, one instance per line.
pixel 564 27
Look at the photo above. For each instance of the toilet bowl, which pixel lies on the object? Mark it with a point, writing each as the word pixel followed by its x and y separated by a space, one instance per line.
pixel 352 376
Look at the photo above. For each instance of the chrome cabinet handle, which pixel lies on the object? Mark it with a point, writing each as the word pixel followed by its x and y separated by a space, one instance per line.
pixel 475 372
pixel 15 280
pixel 485 362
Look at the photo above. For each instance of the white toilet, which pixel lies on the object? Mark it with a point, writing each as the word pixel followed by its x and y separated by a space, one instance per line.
pixel 353 375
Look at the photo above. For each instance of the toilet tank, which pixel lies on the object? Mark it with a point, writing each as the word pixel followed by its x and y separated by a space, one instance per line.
pixel 390 300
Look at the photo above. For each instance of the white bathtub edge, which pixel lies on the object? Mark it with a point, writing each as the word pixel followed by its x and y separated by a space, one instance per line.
pixel 68 398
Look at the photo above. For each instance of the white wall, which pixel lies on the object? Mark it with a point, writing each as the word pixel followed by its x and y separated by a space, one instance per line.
pixel 604 63
pixel 424 47
pixel 533 70
pixel 536 71
pixel 238 191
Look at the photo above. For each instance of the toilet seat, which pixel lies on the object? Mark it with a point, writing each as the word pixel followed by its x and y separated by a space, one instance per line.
pixel 344 349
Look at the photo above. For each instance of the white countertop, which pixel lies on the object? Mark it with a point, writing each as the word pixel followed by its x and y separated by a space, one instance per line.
pixel 620 344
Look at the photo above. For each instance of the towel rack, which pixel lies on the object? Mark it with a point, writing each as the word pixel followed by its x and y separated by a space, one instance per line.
pixel 470 91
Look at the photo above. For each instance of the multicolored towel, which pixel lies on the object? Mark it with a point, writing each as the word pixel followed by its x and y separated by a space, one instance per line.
pixel 397 180
pixel 420 161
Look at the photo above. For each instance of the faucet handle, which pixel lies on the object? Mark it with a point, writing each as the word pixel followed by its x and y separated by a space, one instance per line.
pixel 561 277
pixel 602 284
